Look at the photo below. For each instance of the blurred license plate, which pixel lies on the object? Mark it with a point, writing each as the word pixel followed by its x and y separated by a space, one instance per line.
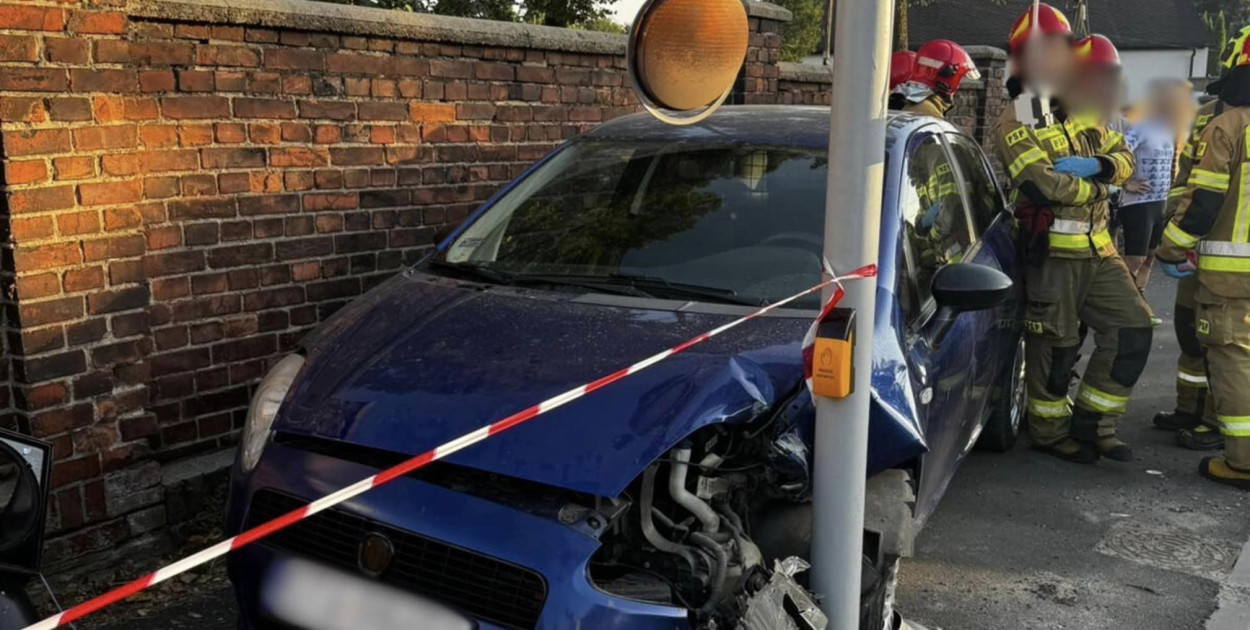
pixel 315 597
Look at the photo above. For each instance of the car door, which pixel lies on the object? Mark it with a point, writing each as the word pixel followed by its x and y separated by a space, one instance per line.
pixel 951 369
pixel 998 329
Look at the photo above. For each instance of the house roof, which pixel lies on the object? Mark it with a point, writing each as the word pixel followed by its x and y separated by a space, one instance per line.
pixel 1131 24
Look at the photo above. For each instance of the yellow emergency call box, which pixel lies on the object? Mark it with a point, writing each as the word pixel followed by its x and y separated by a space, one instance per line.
pixel 833 370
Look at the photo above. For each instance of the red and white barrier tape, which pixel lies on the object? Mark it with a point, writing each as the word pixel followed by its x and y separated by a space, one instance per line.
pixel 386 476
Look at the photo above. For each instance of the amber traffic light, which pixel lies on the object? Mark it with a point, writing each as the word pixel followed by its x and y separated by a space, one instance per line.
pixel 684 56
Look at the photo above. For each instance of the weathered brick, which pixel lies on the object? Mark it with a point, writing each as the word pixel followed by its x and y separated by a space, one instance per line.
pixel 111 248
pixel 431 112
pixel 233 158
pixel 357 156
pixel 238 255
pixel 383 111
pixel 288 59
pixel 86 80
pixel 48 367
pixel 50 311
pixel 67 50
pixel 173 263
pixel 46 256
pixel 263 108
pixel 28 172
pixel 117 300
pixel 110 193
pixel 195 107
pixel 36 142
pixel 18 48
pixel 28 18
pixel 104 138
pixel 78 223
pixel 84 279
pixel 222 55
pixel 296 157
pixel 98 23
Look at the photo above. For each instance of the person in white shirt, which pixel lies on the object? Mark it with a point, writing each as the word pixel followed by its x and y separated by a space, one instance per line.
pixel 1154 142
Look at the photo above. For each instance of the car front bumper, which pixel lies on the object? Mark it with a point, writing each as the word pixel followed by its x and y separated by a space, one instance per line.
pixel 558 553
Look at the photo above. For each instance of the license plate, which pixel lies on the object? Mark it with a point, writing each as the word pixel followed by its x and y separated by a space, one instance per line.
pixel 312 596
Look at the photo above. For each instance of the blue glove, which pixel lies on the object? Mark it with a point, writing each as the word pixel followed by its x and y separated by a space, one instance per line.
pixel 1174 270
pixel 930 216
pixel 1082 167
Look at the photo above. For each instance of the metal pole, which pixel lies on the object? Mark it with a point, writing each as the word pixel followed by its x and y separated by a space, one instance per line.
pixel 852 228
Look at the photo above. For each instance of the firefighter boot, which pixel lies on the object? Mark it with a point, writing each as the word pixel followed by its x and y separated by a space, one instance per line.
pixel 1217 469
pixel 1176 421
pixel 1070 450
pixel 1200 438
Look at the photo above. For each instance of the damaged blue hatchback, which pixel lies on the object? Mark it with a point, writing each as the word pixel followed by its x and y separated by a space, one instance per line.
pixel 662 501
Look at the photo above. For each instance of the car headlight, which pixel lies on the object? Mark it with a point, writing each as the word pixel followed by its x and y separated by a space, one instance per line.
pixel 265 404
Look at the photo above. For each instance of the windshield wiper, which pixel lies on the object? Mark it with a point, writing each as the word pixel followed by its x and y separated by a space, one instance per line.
pixel 476 272
pixel 693 291
pixel 492 275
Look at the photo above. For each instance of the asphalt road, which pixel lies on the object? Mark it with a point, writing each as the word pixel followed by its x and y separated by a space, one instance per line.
pixel 1023 540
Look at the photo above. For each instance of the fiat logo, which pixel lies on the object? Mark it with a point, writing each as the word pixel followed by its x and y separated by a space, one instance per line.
pixel 376 553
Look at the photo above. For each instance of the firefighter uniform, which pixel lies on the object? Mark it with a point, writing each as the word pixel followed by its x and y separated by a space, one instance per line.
pixel 1212 217
pixel 935 106
pixel 1192 402
pixel 1074 274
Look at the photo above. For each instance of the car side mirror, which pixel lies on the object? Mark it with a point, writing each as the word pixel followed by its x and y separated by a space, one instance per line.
pixel 962 288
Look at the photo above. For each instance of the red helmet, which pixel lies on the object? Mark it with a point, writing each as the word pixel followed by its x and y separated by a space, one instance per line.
pixel 901 66
pixel 1097 52
pixel 942 64
pixel 1051 21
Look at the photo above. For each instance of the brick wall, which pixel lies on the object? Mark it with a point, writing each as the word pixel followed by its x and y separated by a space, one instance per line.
pixel 190 186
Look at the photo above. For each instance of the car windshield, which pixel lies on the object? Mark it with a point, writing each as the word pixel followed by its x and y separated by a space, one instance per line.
pixel 717 222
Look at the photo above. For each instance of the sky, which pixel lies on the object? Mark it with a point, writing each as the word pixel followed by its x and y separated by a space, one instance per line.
pixel 623 11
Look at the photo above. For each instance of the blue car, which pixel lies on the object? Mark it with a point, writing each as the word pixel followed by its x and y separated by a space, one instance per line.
pixel 667 500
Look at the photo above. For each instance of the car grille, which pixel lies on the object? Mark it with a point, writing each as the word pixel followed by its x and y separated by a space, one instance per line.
pixel 486 588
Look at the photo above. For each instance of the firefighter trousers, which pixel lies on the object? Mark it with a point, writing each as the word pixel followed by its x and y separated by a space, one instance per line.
pixel 1191 366
pixel 1062 292
pixel 1224 329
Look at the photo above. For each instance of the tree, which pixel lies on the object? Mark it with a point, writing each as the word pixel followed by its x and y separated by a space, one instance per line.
pixel 803 34
pixel 1217 26
pixel 1235 11
pixel 549 12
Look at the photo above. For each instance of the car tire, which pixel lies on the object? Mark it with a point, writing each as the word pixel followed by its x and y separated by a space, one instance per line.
pixel 876 603
pixel 1007 409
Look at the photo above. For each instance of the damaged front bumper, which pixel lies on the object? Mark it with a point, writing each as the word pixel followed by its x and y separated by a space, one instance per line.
pixel 473 528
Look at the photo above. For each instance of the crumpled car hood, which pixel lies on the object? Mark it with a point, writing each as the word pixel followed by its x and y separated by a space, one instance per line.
pixel 422 360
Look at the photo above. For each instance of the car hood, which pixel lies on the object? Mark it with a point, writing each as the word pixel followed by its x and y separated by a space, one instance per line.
pixel 422 360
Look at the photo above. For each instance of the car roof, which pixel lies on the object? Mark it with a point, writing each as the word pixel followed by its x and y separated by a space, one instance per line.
pixel 771 125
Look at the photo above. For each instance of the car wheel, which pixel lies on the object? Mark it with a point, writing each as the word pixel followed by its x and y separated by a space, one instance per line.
pixel 876 603
pixel 1007 409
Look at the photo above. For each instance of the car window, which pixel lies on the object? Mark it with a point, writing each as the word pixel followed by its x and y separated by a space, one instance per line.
pixel 736 217
pixel 935 219
pixel 983 194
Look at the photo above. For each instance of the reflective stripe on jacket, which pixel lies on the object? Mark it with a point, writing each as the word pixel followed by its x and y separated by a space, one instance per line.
pixel 1212 215
pixel 1030 154
pixel 1189 155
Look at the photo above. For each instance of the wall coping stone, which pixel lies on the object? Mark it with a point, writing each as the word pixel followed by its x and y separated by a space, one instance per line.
pixel 768 11
pixel 343 19
pixel 328 17
pixel 805 72
pixel 986 52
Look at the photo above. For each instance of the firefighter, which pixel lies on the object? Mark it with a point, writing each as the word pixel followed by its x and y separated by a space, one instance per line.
pixel 1062 166
pixel 939 67
pixel 1212 218
pixel 1194 416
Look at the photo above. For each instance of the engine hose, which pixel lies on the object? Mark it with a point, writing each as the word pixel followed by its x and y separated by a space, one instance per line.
pixel 748 552
pixel 678 468
pixel 719 570
pixel 653 536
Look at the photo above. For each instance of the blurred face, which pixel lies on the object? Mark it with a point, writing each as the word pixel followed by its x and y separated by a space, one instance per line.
pixel 1049 62
pixel 1098 90
pixel 1171 104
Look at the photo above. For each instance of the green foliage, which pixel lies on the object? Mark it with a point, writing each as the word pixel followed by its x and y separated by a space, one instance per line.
pixel 1217 26
pixel 603 25
pixel 1236 12
pixel 803 34
pixel 587 13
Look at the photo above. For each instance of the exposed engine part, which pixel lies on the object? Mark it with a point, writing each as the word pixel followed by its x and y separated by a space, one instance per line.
pixel 737 498
pixel 782 604
pixel 648 525
pixel 677 489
